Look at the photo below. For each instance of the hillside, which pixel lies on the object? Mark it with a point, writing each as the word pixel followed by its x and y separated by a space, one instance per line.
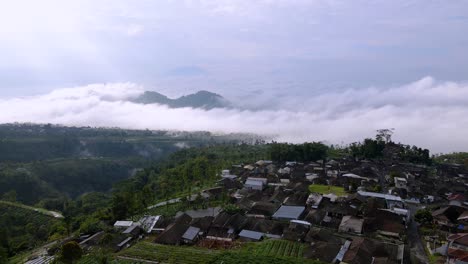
pixel 23 228
pixel 60 162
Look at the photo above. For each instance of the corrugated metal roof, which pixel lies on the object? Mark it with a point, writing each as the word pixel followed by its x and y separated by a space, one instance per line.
pixel 253 183
pixel 289 212
pixel 191 233
pixel 123 223
pixel 251 234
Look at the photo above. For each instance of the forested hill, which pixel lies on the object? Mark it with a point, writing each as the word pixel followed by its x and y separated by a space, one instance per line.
pixel 30 142
pixel 57 161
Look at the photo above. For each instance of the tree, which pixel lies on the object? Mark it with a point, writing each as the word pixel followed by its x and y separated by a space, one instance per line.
pixel 384 134
pixel 10 196
pixel 71 252
pixel 423 216
pixel 3 255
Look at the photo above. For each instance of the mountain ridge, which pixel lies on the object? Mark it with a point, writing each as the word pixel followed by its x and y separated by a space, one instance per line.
pixel 201 99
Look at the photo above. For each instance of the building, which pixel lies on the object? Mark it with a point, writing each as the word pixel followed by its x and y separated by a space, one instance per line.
pixel 191 235
pixel 400 183
pixel 255 183
pixel 351 224
pixel 286 212
pixel 457 250
pixel 123 224
pixel 249 235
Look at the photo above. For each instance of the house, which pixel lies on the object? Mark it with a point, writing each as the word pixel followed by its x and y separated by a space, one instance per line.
pixel 447 217
pixel 263 208
pixel 249 235
pixel 400 183
pixel 147 223
pixel 255 183
pixel 314 200
pixel 133 230
pixel 457 250
pixel 123 224
pixel 200 213
pixel 191 235
pixel 174 232
pixel 463 221
pixel 123 244
pixel 456 199
pixel 225 226
pixel 386 223
pixel 368 251
pixel 286 170
pixel 287 212
pixel 226 174
pixel 351 224
pixel 229 184
pixel 296 231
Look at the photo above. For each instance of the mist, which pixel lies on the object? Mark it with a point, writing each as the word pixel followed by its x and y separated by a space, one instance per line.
pixel 428 113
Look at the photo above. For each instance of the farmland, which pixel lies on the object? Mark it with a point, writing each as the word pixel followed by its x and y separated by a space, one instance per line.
pixel 276 248
pixel 274 251
pixel 326 189
pixel 170 254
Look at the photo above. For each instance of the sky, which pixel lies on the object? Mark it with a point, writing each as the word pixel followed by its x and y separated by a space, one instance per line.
pixel 316 66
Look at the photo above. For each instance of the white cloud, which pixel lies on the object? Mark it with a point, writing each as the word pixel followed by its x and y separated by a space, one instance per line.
pixel 427 113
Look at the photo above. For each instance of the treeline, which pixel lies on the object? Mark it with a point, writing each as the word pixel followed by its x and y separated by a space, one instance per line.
pixel 375 149
pixel 298 152
pixel 31 142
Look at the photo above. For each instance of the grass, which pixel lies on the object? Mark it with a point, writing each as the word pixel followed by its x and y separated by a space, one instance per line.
pixel 326 189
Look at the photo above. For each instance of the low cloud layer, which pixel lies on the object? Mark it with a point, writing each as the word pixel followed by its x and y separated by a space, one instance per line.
pixel 426 113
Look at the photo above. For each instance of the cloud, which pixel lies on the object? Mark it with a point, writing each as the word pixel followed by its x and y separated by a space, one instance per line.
pixel 427 113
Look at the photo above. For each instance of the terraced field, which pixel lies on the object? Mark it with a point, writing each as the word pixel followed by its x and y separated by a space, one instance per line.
pixel 271 252
pixel 170 254
pixel 278 248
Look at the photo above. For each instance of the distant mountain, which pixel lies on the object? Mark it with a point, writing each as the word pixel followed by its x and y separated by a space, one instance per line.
pixel 202 99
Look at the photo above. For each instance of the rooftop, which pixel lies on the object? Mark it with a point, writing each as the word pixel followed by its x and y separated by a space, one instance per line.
pixel 289 212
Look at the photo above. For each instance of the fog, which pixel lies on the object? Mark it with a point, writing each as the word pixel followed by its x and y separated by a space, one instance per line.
pixel 428 113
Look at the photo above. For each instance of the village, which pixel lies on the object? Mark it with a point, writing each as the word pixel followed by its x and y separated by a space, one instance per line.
pixel 342 211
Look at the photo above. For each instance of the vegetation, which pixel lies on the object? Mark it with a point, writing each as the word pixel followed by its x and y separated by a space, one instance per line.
pixel 424 217
pixel 170 254
pixel 22 229
pixel 454 158
pixel 71 252
pixel 303 152
pixel 265 252
pixel 276 248
pixel 325 189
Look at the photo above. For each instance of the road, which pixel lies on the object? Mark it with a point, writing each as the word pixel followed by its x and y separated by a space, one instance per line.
pixel 414 239
pixel 35 209
pixel 171 201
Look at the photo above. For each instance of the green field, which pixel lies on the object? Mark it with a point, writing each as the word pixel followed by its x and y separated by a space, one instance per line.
pixel 325 189
pixel 270 251
pixel 170 254
pixel 276 248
